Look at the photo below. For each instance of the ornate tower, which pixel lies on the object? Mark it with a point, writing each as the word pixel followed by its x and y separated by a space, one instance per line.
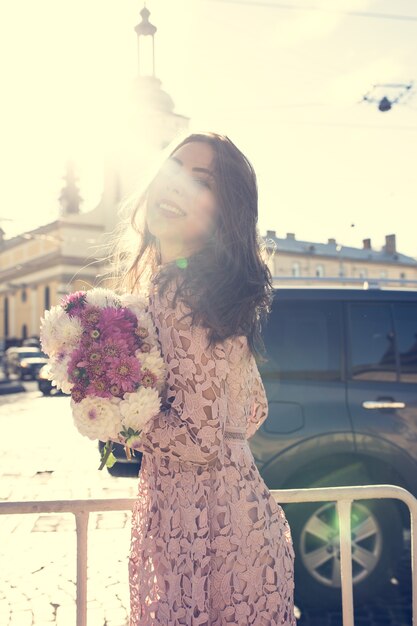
pixel 146 29
pixel 149 125
pixel 70 198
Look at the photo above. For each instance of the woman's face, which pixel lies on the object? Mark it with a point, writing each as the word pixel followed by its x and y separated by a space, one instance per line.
pixel 182 206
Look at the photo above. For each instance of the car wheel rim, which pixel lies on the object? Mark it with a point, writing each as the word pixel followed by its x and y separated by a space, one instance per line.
pixel 320 544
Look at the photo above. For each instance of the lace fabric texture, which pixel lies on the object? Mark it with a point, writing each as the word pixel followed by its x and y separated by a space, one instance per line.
pixel 210 546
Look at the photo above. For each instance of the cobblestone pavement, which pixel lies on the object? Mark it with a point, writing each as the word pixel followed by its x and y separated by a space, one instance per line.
pixel 38 552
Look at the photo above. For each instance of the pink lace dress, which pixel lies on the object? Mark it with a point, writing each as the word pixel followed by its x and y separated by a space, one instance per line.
pixel 210 546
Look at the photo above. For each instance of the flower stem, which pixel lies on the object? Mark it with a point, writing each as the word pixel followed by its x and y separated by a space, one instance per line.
pixel 106 453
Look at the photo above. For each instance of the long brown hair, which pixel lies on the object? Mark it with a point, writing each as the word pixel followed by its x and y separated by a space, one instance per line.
pixel 227 284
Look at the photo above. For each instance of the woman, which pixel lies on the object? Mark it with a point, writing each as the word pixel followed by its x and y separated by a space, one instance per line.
pixel 210 546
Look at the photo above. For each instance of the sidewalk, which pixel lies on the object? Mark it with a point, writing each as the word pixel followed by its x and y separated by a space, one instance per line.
pixel 43 457
pixel 9 386
pixel 38 573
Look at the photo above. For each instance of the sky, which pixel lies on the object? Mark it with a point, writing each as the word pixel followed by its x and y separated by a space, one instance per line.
pixel 284 80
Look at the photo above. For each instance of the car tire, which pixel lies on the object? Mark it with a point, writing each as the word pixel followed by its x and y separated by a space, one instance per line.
pixel 378 550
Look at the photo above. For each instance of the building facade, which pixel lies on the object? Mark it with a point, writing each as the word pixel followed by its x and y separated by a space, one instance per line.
pixel 306 262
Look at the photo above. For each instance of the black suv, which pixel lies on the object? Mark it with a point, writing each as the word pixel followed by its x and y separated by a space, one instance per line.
pixel 341 381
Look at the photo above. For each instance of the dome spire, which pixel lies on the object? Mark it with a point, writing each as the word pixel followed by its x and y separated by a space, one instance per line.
pixel 70 198
pixel 144 30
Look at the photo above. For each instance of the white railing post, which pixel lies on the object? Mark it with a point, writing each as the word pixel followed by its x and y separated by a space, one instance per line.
pixel 81 520
pixel 343 509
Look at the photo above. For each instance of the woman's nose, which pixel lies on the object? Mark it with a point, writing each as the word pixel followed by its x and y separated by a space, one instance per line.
pixel 178 182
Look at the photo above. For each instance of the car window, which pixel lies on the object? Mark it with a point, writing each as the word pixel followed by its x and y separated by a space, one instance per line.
pixel 302 340
pixel 27 355
pixel 372 342
pixel 405 319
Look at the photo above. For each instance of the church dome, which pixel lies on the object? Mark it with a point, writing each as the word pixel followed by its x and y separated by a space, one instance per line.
pixel 149 94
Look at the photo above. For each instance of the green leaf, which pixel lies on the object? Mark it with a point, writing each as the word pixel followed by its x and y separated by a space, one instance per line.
pixel 106 453
pixel 111 460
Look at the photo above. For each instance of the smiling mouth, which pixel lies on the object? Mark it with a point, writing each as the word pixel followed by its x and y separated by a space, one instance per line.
pixel 170 209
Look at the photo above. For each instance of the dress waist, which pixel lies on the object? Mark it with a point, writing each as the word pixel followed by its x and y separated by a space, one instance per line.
pixel 235 436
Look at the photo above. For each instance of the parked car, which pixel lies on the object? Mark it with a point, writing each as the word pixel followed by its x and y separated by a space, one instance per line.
pixel 24 362
pixel 341 382
pixel 44 384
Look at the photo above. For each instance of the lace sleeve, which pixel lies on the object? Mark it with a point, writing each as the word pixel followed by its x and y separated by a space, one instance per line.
pixel 260 404
pixel 192 428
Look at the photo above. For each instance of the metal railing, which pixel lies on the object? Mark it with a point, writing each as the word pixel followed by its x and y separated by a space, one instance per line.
pixel 369 282
pixel 344 496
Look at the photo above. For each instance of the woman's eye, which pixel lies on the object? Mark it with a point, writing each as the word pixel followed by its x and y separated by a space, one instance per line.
pixel 170 167
pixel 201 182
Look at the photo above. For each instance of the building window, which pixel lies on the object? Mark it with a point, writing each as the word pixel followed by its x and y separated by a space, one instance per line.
pixel 319 270
pixel 295 269
pixel 24 295
pixel 402 275
pixel 24 331
pixel 47 298
pixel 363 273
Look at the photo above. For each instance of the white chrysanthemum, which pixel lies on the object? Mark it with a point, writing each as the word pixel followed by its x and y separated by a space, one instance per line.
pixel 69 330
pixel 58 374
pixel 102 297
pixel 49 340
pixel 96 418
pixel 135 303
pixel 145 321
pixel 60 332
pixel 138 305
pixel 153 362
pixel 139 407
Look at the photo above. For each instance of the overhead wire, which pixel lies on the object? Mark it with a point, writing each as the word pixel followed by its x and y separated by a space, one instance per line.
pixel 290 7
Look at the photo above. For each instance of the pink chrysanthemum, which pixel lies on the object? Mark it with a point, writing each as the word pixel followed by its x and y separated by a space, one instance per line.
pixel 74 303
pixel 124 371
pixel 90 317
pixel 148 379
pixel 76 367
pixel 99 387
pixel 93 360
pixel 78 393
pixel 116 391
pixel 114 347
pixel 96 370
pixel 118 323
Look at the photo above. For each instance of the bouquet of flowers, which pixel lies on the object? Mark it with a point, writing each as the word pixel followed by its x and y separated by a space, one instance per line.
pixel 103 350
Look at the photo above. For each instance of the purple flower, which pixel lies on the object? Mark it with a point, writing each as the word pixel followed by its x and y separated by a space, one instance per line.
pixel 90 317
pixel 74 303
pixel 115 347
pixel 119 324
pixel 99 387
pixel 148 378
pixel 76 367
pixel 124 372
pixel 78 393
